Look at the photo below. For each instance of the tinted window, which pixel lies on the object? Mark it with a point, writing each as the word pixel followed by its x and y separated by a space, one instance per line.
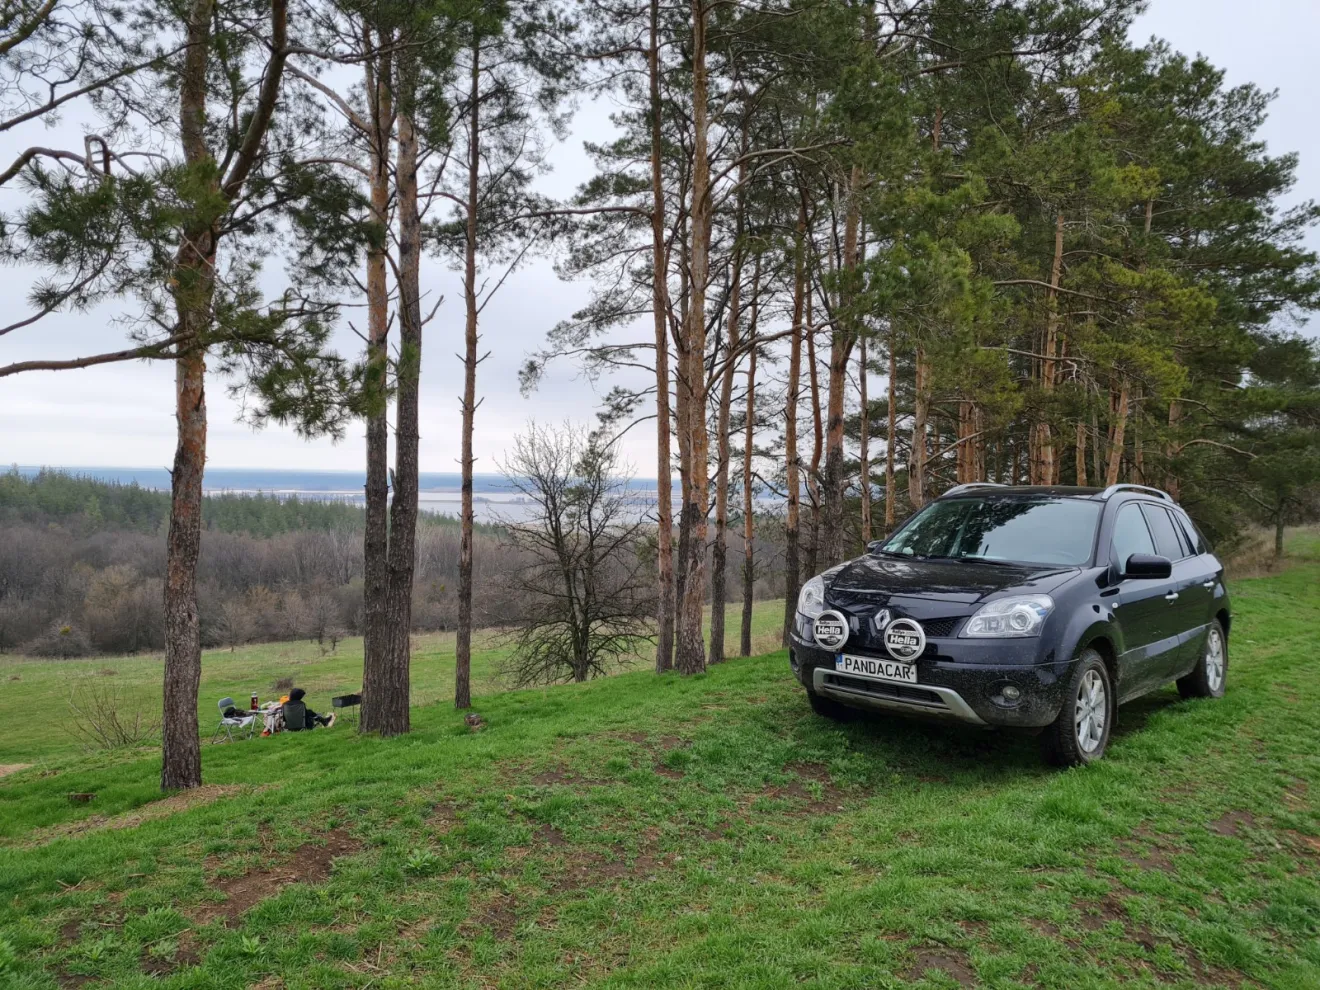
pixel 1028 530
pixel 1130 535
pixel 1166 537
pixel 1190 533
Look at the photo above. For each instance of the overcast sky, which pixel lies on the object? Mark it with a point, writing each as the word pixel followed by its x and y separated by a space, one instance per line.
pixel 122 415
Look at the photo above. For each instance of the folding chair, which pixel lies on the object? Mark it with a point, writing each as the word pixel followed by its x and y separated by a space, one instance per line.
pixel 228 725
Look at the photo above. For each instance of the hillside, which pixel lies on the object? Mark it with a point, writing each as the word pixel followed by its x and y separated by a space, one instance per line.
pixel 707 832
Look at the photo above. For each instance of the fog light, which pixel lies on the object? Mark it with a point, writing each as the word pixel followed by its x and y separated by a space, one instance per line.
pixel 1010 693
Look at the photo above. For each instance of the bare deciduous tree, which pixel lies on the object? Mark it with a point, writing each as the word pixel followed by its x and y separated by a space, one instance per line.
pixel 589 593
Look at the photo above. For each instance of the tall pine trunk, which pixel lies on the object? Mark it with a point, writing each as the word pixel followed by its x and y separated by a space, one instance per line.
pixel 841 344
pixel 818 439
pixel 864 442
pixel 194 290
pixel 1120 414
pixel 1081 453
pixel 375 543
pixel 891 438
pixel 664 645
pixel 1043 467
pixel 390 704
pixel 792 565
pixel 690 647
pixel 920 416
pixel 749 502
pixel 463 640
pixel 720 552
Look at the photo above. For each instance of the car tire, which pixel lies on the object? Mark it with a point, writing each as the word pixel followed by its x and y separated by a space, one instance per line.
pixel 1208 678
pixel 1081 732
pixel 828 707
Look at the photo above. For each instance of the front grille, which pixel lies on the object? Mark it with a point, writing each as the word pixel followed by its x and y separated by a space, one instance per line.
pixel 939 628
pixel 899 692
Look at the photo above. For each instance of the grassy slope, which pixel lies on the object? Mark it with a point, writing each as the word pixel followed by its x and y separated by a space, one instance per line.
pixel 33 692
pixel 709 832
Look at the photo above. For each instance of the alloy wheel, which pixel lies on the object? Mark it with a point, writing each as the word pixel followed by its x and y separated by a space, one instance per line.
pixel 1214 660
pixel 1092 711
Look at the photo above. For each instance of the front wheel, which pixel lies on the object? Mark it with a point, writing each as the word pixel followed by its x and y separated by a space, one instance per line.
pixel 1211 673
pixel 1081 732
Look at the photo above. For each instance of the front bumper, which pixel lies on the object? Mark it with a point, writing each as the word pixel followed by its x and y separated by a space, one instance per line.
pixel 949 687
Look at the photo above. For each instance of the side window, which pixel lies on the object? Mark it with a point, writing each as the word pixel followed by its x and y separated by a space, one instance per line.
pixel 1190 532
pixel 1167 543
pixel 1130 535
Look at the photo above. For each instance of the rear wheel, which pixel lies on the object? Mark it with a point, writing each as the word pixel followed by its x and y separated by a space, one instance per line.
pixel 828 707
pixel 1081 732
pixel 1211 673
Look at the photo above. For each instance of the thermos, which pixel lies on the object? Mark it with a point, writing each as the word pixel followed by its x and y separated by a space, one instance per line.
pixel 254 702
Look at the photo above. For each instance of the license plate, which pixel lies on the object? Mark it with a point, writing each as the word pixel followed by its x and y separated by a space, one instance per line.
pixel 876 668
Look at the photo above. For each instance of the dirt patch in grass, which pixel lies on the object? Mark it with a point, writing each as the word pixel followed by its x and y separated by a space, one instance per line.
pixel 550 836
pixel 174 804
pixel 1146 850
pixel 1097 914
pixel 949 961
pixel 1307 844
pixel 500 915
pixel 309 863
pixel 1233 823
pixel 7 768
pixel 830 799
pixel 158 959
pixel 669 772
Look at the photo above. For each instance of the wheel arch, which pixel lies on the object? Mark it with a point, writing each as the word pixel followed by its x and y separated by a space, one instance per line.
pixel 1101 643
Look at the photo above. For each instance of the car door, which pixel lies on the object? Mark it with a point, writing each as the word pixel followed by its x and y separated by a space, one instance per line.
pixel 1204 574
pixel 1185 602
pixel 1148 624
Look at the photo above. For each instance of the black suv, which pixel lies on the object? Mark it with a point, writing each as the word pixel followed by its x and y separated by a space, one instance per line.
pixel 1032 607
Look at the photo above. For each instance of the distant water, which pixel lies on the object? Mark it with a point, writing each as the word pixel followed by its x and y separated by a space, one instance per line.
pixel 494 497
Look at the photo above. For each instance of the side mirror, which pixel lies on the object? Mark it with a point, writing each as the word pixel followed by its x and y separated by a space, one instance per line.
pixel 874 545
pixel 1147 565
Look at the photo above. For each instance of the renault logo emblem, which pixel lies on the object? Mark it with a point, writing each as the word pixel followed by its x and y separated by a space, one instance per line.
pixel 882 619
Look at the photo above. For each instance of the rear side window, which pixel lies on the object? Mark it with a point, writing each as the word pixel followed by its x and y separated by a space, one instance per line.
pixel 1130 534
pixel 1190 533
pixel 1167 543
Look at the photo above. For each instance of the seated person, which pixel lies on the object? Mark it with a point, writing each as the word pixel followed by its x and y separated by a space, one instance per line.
pixel 298 716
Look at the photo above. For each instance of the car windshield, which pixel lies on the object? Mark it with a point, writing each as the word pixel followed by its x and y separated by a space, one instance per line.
pixel 1040 530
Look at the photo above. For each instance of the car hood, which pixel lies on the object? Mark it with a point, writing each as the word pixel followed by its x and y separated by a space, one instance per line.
pixel 955 581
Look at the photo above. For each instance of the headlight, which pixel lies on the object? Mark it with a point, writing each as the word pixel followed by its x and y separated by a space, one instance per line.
pixel 1021 615
pixel 811 599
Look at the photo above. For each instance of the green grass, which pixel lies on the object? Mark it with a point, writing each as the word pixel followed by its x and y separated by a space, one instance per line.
pixel 704 832
pixel 34 693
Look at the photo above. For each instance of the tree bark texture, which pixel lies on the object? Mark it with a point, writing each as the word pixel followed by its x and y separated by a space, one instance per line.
pixel 920 415
pixel 664 646
pixel 749 490
pixel 720 552
pixel 375 543
pixel 194 290
pixel 463 639
pixel 690 647
pixel 391 705
pixel 891 438
pixel 864 442
pixel 842 340
pixel 792 573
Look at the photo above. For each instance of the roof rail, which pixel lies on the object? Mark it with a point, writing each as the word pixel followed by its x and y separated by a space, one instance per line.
pixel 1114 489
pixel 959 489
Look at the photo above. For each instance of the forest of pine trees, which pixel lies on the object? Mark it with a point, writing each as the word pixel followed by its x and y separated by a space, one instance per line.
pixel 851 253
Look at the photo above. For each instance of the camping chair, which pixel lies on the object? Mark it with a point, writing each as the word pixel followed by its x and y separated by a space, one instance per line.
pixel 295 716
pixel 228 725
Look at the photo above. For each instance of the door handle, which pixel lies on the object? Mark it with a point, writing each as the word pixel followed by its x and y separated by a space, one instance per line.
pixel 1172 596
pixel 1207 584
